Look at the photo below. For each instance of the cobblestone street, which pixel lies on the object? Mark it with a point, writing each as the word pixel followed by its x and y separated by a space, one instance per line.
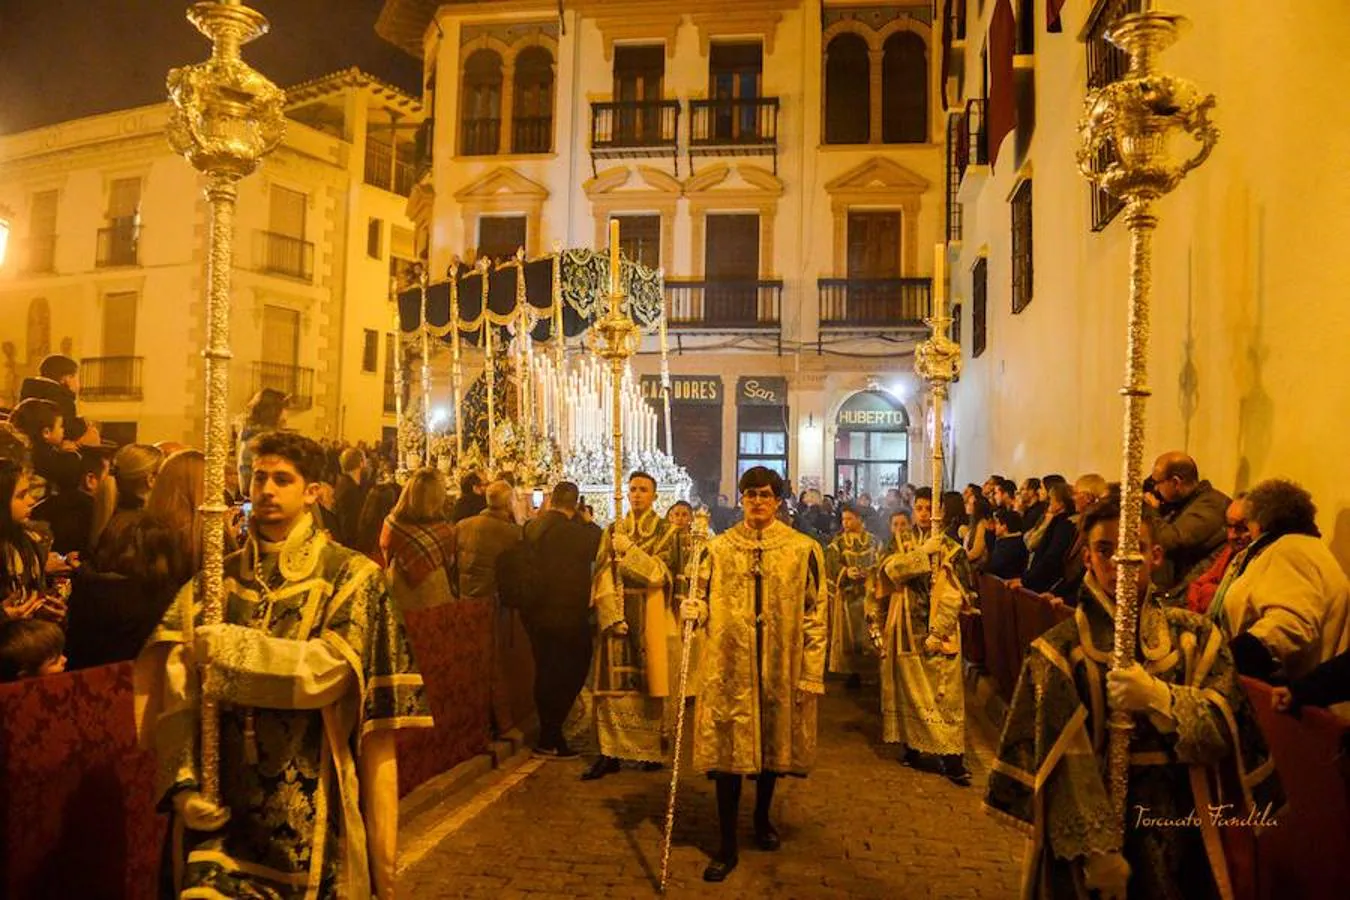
pixel 861 826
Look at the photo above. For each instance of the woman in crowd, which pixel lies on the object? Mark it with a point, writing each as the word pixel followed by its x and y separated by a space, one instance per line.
pixel 1046 568
pixel 266 412
pixel 23 584
pixel 976 535
pixel 1287 607
pixel 114 610
pixel 953 515
pixel 121 502
pixel 419 544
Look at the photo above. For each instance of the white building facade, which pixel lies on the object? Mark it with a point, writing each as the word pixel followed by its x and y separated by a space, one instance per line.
pixel 1249 323
pixel 107 264
pixel 782 161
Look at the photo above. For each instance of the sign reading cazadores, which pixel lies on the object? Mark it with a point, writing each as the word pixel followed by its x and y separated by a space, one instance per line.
pixel 761 391
pixel 872 411
pixel 701 389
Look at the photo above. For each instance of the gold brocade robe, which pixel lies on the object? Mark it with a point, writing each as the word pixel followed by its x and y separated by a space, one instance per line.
pixel 759 676
pixel 922 694
pixel 850 647
pixel 320 661
pixel 633 672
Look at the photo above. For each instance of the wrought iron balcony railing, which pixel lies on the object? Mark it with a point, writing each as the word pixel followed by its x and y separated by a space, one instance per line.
pixel 531 134
pixel 480 137
pixel 296 382
pixel 874 302
pixel 726 304
pixel 733 122
pixel 110 378
pixel 119 244
pixel 423 148
pixel 635 124
pixel 281 254
pixel 955 133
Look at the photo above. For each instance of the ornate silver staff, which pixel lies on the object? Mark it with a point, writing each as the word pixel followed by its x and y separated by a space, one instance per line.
pixel 456 367
pixel 1129 123
pixel 400 381
pixel 425 331
pixel 698 534
pixel 938 361
pixel 225 118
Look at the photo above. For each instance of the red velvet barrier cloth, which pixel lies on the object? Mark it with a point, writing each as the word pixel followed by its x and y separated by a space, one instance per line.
pixel 1307 855
pixel 1000 632
pixel 77 817
pixel 452 644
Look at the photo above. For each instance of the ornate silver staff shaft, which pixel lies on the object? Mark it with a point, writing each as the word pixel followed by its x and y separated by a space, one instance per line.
pixel 1124 132
pixel 226 117
pixel 699 536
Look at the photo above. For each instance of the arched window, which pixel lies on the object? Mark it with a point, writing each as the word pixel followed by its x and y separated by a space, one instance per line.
pixel 904 92
pixel 532 106
pixel 847 90
pixel 481 109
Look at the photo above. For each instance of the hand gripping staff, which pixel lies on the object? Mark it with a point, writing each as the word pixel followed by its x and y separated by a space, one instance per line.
pixel 698 539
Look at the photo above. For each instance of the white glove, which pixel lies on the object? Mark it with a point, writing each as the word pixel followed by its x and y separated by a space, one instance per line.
pixel 1108 874
pixel 692 610
pixel 1134 690
pixel 619 628
pixel 933 546
pixel 621 543
pixel 198 813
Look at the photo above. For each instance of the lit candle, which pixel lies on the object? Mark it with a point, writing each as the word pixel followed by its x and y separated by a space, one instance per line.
pixel 939 278
pixel 614 266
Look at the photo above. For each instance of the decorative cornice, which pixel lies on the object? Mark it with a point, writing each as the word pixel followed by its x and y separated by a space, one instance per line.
pixel 640 27
pixel 353 77
pixel 879 175
pixel 737 23
pixel 502 181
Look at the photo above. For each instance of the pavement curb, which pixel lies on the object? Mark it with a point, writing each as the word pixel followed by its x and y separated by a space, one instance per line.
pixel 501 756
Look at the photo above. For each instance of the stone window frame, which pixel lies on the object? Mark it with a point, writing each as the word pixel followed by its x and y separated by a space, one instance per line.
pixel 507 53
pixel 660 198
pixel 504 191
pixel 876 51
pixel 761 199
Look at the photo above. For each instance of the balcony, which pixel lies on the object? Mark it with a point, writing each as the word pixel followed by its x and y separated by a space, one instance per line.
pixel 106 378
pixel 39 255
pixel 531 134
pixel 635 128
pixel 955 126
pixel 296 382
pixel 734 126
pixel 424 149
pixel 874 303
pixel 386 172
pixel 480 137
pixel 725 305
pixel 119 244
pixel 282 254
pixel 972 149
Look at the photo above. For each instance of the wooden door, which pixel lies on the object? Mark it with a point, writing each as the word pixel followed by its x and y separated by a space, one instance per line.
pixel 731 267
pixel 639 76
pixel 873 264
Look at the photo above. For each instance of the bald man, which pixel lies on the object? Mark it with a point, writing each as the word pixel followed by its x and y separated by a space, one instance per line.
pixel 1191 527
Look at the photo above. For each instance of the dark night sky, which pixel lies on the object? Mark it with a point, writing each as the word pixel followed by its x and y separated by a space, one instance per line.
pixel 63 59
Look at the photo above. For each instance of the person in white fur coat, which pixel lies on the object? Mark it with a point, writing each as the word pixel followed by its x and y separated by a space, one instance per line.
pixel 1287 609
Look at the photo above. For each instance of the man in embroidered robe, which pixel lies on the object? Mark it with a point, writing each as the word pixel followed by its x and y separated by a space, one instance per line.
pixel 923 584
pixel 764 631
pixel 632 592
pixel 850 574
pixel 312 674
pixel 1195 747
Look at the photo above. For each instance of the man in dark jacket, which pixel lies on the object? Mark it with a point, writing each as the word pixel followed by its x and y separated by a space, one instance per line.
pixel 349 496
pixel 1191 528
pixel 70 511
pixel 481 539
pixel 558 617
pixel 58 380
pixel 471 499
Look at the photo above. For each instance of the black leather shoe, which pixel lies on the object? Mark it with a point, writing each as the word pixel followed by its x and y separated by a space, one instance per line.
pixel 766 838
pixel 956 772
pixel 923 762
pixel 719 869
pixel 604 765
